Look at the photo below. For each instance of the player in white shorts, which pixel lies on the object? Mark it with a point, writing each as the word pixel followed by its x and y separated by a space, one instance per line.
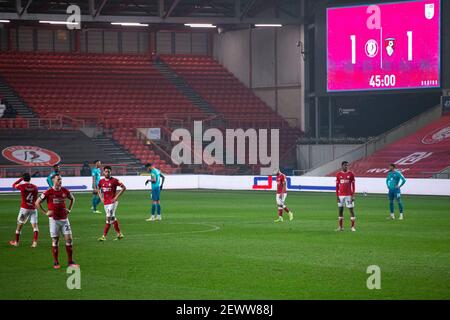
pixel 345 193
pixel 29 193
pixel 58 218
pixel 109 196
pixel 281 197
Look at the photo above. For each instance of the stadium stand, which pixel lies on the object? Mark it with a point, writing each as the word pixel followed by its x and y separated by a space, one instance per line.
pixel 124 92
pixel 117 91
pixel 424 154
pixel 239 106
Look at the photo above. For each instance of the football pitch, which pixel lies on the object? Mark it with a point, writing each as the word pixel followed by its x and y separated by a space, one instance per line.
pixel 225 245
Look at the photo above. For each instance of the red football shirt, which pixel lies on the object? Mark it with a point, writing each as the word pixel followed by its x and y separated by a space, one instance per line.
pixel 345 183
pixel 281 179
pixel 29 194
pixel 56 201
pixel 109 189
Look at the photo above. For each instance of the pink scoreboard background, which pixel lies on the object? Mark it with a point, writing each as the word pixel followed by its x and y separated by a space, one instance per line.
pixel 384 46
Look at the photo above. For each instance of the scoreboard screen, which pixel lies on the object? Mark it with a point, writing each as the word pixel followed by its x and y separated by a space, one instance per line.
pixel 384 46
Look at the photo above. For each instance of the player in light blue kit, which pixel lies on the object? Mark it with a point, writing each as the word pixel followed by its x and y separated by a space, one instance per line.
pixel 56 170
pixel 157 180
pixel 96 176
pixel 394 181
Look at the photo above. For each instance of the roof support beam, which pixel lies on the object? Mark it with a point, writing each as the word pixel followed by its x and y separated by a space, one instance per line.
pixel 147 19
pixel 18 6
pixel 92 7
pixel 97 13
pixel 172 7
pixel 161 8
pixel 25 9
pixel 247 8
pixel 237 8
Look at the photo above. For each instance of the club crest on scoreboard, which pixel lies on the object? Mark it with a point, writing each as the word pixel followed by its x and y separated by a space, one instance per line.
pixel 429 11
pixel 371 48
pixel 389 44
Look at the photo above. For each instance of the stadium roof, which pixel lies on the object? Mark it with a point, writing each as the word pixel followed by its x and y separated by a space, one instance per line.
pixel 158 12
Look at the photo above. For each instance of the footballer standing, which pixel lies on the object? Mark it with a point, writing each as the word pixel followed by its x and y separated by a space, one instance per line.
pixel 57 214
pixel 29 193
pixel 109 196
pixel 345 194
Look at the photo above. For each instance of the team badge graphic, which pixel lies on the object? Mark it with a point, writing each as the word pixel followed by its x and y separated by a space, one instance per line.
pixel 371 48
pixel 389 45
pixel 429 11
pixel 31 156
pixel 437 136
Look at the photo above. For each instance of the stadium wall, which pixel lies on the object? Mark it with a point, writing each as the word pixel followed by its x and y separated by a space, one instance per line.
pixel 268 61
pixel 42 39
pixel 439 187
pixel 313 155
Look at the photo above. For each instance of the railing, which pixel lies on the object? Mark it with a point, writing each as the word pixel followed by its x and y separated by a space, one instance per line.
pixel 56 122
pixel 134 122
pixel 436 175
pixel 299 172
pixel 154 145
pixel 239 122
pixel 348 140
pixel 171 120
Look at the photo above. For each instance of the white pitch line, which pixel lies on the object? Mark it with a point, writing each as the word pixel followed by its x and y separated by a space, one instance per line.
pixel 213 228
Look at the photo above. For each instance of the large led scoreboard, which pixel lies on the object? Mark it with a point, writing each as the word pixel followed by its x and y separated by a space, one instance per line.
pixel 384 46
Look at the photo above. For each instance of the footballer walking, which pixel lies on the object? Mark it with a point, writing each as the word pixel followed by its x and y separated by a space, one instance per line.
pixel 58 218
pixel 29 193
pixel 281 197
pixel 345 193
pixel 108 195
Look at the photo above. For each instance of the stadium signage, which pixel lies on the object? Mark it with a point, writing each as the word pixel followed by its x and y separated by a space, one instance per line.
pixel 213 153
pixel 437 135
pixel 289 185
pixel 413 158
pixel 232 182
pixel 31 156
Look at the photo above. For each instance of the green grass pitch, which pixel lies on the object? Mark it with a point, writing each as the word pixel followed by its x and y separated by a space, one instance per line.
pixel 225 245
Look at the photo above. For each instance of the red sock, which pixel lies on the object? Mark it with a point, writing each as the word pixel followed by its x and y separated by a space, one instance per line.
pixel 55 254
pixel 341 222
pixel 280 212
pixel 105 231
pixel 17 236
pixel 69 253
pixel 116 226
pixel 353 221
pixel 35 236
pixel 286 209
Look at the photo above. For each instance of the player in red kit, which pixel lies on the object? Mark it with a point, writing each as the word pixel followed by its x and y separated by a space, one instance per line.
pixel 281 197
pixel 58 217
pixel 345 193
pixel 109 196
pixel 29 193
